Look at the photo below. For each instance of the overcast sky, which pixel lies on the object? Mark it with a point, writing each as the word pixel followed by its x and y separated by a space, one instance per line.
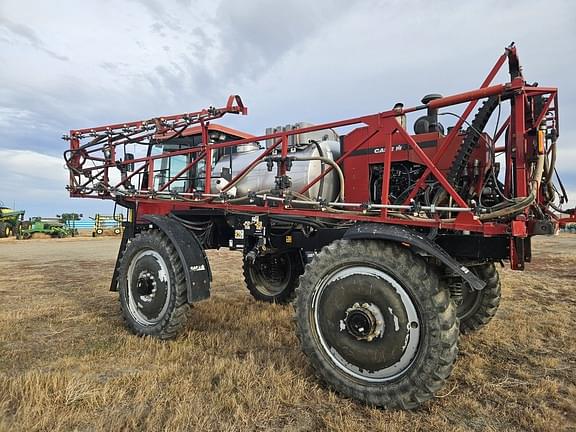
pixel 74 64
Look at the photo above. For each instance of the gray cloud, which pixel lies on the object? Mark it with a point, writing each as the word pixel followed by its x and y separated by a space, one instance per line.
pixel 28 35
pixel 257 34
pixel 167 18
pixel 158 28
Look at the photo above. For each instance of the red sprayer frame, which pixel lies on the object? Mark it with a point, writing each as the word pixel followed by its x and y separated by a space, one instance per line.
pixel 90 163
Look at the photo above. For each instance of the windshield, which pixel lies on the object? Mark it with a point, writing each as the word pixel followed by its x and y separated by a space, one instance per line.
pixel 167 168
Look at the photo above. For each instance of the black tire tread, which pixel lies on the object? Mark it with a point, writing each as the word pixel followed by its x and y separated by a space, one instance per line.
pixel 177 315
pixel 434 366
pixel 285 296
pixel 490 299
pixel 3 226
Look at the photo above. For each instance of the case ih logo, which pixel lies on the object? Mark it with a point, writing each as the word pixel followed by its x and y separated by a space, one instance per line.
pixel 396 147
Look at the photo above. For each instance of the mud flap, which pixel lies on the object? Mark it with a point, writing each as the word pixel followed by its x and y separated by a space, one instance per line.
pixel 191 253
pixel 127 234
pixel 414 239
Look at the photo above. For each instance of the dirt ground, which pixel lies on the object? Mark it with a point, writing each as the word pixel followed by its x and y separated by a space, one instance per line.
pixel 67 362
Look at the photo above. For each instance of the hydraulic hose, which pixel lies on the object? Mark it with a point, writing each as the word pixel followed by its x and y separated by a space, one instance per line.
pixel 523 202
pixel 563 211
pixel 321 154
pixel 549 171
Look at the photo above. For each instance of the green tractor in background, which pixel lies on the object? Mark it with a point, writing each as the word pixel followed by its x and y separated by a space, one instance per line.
pixel 59 227
pixel 69 220
pixel 10 221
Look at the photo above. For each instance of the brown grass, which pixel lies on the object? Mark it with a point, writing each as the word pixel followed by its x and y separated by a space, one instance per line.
pixel 67 363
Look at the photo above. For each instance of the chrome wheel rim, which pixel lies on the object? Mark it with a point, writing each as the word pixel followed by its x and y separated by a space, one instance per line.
pixel 372 309
pixel 149 287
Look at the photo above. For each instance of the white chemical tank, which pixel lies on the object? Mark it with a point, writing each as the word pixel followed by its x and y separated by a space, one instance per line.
pixel 310 145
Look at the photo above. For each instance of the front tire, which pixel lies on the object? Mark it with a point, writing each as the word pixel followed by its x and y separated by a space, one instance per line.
pixel 375 323
pixel 152 285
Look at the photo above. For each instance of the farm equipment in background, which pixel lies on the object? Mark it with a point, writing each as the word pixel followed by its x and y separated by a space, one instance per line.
pixel 107 222
pixel 69 220
pixel 387 239
pixel 10 221
pixel 54 227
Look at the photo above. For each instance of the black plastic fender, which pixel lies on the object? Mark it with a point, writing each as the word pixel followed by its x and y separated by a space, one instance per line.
pixel 408 237
pixel 191 253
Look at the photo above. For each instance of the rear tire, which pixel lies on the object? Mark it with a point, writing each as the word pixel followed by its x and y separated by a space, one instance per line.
pixel 273 278
pixel 4 230
pixel 152 286
pixel 477 308
pixel 376 324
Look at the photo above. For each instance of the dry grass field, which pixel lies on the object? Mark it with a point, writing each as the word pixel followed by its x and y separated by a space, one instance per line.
pixel 67 363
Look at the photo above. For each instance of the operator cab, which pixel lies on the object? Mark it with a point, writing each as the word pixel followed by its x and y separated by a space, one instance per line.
pixel 166 169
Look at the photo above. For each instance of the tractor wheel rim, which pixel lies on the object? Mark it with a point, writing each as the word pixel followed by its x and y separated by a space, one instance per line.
pixel 149 288
pixel 272 278
pixel 371 311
